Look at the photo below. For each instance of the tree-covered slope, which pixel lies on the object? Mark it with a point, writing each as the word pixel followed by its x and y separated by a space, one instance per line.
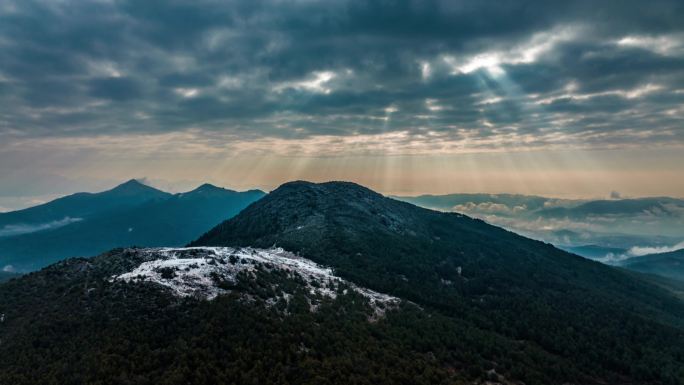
pixel 72 322
pixel 523 289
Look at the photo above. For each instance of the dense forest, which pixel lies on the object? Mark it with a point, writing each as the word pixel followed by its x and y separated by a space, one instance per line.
pixel 601 319
pixel 70 324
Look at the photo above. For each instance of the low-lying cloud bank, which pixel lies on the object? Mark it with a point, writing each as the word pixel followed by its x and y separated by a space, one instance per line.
pixel 610 231
pixel 638 251
pixel 19 229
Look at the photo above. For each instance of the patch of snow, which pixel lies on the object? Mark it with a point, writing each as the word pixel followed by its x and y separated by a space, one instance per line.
pixel 203 272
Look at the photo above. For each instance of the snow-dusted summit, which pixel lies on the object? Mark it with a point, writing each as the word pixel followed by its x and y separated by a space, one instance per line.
pixel 206 272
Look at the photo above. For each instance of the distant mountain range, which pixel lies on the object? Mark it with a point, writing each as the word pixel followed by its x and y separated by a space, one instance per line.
pixel 599 229
pixel 334 283
pixel 670 265
pixel 131 214
pixel 603 230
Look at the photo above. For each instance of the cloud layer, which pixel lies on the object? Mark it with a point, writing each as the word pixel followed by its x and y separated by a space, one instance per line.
pixel 342 77
pixel 638 251
pixel 609 230
pixel 18 229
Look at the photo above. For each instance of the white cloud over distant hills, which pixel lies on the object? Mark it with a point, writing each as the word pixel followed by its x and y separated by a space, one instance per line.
pixel 18 229
pixel 637 251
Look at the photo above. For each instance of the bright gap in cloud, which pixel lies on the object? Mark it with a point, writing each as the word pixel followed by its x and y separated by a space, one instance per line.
pixel 317 82
pixel 187 92
pixel 529 52
pixel 666 45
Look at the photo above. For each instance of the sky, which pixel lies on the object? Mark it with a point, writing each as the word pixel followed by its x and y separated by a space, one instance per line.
pixel 566 99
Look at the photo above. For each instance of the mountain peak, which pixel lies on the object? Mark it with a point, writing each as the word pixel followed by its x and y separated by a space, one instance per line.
pixel 332 187
pixel 131 184
pixel 135 187
pixel 297 208
pixel 334 199
pixel 207 189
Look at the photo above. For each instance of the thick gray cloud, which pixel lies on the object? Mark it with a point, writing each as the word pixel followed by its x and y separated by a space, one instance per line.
pixel 592 74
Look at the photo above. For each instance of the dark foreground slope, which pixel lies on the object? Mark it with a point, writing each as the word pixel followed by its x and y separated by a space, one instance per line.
pixel 479 304
pixel 71 323
pixel 131 214
pixel 6 276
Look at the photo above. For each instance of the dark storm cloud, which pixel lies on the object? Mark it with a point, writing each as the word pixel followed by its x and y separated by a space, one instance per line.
pixel 294 69
pixel 115 88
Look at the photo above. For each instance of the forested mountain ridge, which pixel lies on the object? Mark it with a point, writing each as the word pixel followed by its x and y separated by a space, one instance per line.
pixel 359 231
pixel 501 281
pixel 476 303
